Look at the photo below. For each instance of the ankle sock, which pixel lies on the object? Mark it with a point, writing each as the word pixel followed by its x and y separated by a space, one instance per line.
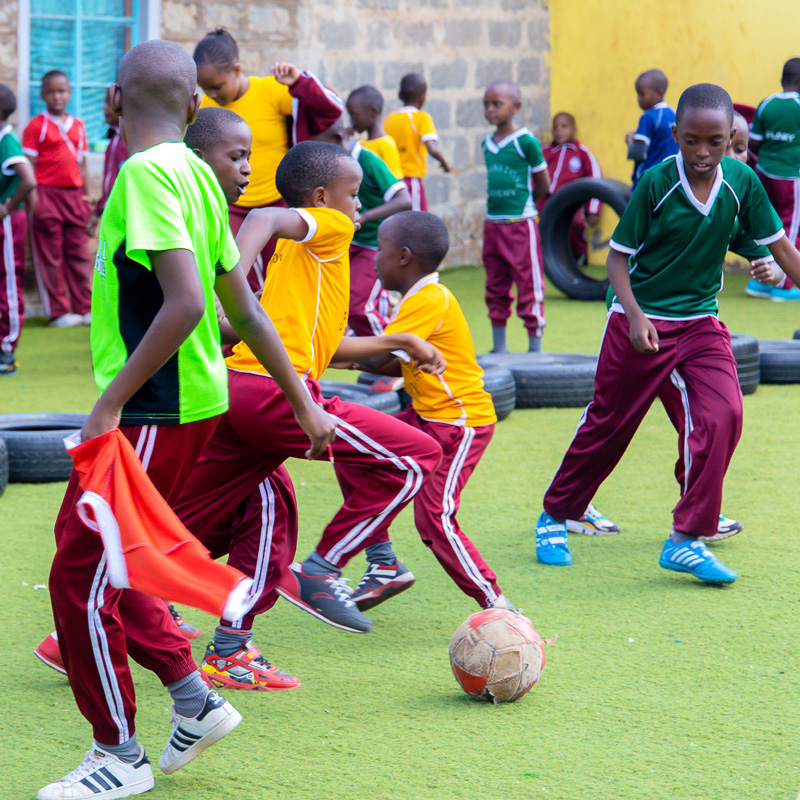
pixel 499 340
pixel 381 553
pixel 534 344
pixel 316 565
pixel 228 640
pixel 188 694
pixel 676 537
pixel 127 752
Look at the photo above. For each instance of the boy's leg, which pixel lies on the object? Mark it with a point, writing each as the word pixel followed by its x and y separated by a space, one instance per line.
pixel 498 278
pixel 577 235
pixel 78 263
pixel 12 304
pixel 784 195
pixel 364 316
pixel 417 192
pixel 671 399
pixel 47 246
pixel 524 254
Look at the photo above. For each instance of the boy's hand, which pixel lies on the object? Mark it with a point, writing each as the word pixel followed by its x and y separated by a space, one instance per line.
pixel 319 426
pixel 285 73
pixel 592 219
pixel 425 356
pixel 91 225
pixel 766 271
pixel 445 166
pixel 644 336
pixel 629 137
pixel 101 420
pixel 4 209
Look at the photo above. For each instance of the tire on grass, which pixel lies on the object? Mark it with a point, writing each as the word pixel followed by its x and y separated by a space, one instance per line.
pixel 560 263
pixel 35 444
pixel 388 402
pixel 548 380
pixel 748 361
pixel 780 360
pixel 500 384
pixel 3 466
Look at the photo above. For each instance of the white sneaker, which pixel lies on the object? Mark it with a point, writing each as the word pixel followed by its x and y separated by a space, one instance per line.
pixel 592 523
pixel 67 321
pixel 86 319
pixel 192 735
pixel 102 775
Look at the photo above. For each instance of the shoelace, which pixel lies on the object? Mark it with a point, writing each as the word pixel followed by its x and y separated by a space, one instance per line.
pixel 262 662
pixel 341 590
pixel 90 764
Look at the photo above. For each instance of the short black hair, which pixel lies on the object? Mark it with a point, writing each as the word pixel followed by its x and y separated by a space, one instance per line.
pixel 424 234
pixel 655 78
pixel 307 166
pixel 158 74
pixel 218 48
pixel 210 127
pixel 367 96
pixel 8 102
pixel 705 95
pixel 791 71
pixel 567 115
pixel 54 73
pixel 412 86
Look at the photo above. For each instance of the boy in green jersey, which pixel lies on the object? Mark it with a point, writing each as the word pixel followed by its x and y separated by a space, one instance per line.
pixel 164 249
pixel 665 268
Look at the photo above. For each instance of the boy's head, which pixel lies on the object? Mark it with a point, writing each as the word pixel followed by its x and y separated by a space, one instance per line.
pixel 790 79
pixel 364 106
pixel 333 135
pixel 413 90
pixel 500 102
pixel 411 244
pixel 321 175
pixel 702 130
pixel 651 86
pixel 56 91
pixel 108 113
pixel 8 102
pixel 223 140
pixel 738 145
pixel 218 67
pixel 564 128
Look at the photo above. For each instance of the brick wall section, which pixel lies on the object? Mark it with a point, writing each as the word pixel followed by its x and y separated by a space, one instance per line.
pixel 459 45
pixel 8 43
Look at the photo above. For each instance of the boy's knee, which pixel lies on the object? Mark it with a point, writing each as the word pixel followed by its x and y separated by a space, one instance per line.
pixel 430 457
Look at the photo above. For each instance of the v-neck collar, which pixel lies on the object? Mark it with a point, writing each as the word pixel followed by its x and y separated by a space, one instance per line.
pixel 703 208
pixel 433 277
pixel 496 147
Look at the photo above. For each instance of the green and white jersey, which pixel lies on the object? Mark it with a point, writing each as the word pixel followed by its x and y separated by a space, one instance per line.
pixel 378 186
pixel 776 125
pixel 510 164
pixel 165 198
pixel 676 244
pixel 10 154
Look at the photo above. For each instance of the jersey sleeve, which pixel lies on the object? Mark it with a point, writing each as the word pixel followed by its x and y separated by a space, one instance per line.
pixel 10 154
pixel 329 232
pixel 644 131
pixel 30 137
pixel 420 314
pixel 533 153
pixel 384 178
pixel 427 130
pixel 317 107
pixel 757 125
pixel 228 256
pixel 743 245
pixel 756 214
pixel 634 223
pixel 280 97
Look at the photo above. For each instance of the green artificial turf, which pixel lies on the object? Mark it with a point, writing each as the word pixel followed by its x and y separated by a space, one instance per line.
pixel 657 686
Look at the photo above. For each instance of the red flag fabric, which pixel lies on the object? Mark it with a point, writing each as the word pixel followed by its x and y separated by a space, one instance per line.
pixel 147 546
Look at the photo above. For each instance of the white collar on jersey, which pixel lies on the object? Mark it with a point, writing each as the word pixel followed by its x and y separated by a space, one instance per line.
pixel 433 277
pixel 406 110
pixel 703 208
pixel 356 151
pixel 496 147
pixel 64 126
pixel 786 95
pixel 660 104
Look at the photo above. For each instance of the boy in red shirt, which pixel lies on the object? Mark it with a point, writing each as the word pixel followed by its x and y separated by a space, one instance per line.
pixel 55 142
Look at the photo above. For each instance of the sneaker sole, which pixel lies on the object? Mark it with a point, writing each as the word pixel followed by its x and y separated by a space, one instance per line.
pixel 49 663
pixel 719 536
pixel 222 729
pixel 129 789
pixel 762 295
pixel 314 613
pixel 391 589
pixel 575 526
pixel 218 681
pixel 189 634
pixel 677 568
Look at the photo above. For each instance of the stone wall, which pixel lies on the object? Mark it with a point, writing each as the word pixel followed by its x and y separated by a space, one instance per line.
pixel 8 43
pixel 459 45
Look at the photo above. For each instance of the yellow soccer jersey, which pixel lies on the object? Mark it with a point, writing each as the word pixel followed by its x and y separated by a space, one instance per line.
pixel 411 128
pixel 457 397
pixel 386 149
pixel 307 294
pixel 264 107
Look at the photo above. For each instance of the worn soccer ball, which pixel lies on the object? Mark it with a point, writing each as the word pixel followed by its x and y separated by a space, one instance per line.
pixel 497 655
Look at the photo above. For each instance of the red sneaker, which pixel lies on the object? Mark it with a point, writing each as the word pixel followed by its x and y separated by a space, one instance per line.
pixel 49 653
pixel 188 631
pixel 244 669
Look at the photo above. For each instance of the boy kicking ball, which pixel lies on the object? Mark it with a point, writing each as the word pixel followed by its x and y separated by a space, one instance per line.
pixel 665 267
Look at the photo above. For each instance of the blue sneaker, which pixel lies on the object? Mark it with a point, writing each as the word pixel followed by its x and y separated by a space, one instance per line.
pixel 693 556
pixel 756 289
pixel 784 295
pixel 551 541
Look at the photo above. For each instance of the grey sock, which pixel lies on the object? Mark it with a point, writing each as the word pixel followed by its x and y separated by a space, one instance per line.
pixel 381 553
pixel 127 752
pixel 228 640
pixel 189 694
pixel 499 340
pixel 315 564
pixel 534 344
pixel 679 538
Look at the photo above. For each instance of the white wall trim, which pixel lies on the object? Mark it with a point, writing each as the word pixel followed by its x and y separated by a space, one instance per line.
pixel 151 29
pixel 23 63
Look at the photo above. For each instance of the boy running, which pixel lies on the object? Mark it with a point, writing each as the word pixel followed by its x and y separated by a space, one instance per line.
pixel 665 268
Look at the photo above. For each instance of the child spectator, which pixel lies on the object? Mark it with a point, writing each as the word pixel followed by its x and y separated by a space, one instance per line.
pixel 567 160
pixel 16 184
pixel 775 138
pixel 416 137
pixel 280 110
pixel 453 408
pixel 665 268
pixel 652 141
pixel 164 247
pixel 380 195
pixel 56 144
pixel 512 252
pixel 364 107
pixel 382 462
pixel 115 155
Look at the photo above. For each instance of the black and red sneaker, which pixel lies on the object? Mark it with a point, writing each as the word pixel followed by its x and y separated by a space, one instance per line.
pixel 380 582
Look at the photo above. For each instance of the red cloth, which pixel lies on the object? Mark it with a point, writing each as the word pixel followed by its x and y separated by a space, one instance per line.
pixel 12 269
pixel 315 107
pixel 566 163
pixel 369 301
pixel 417 191
pixel 116 154
pixel 147 547
pixel 59 147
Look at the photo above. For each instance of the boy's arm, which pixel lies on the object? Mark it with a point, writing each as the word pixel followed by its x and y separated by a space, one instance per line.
pixel 87 180
pixel 432 146
pixel 27 183
pixel 252 324
pixel 400 201
pixel 360 348
pixel 541 184
pixel 785 253
pixel 261 225
pixel 644 336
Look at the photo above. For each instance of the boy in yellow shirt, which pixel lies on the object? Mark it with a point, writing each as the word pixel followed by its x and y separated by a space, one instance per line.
pixel 365 106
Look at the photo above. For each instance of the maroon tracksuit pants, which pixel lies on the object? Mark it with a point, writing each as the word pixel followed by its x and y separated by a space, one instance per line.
pixel 512 254
pixel 61 257
pixel 12 268
pixel 696 357
pixel 784 195
pixel 417 191
pixel 99 626
pixel 369 301
pixel 258 272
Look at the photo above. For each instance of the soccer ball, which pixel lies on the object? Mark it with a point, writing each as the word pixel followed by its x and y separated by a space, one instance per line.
pixel 497 655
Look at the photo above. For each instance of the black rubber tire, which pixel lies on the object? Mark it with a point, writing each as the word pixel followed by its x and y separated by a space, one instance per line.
pixel 500 383
pixel 3 466
pixel 748 361
pixel 35 444
pixel 548 380
pixel 780 360
pixel 560 264
pixel 388 402
pixel 796 334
